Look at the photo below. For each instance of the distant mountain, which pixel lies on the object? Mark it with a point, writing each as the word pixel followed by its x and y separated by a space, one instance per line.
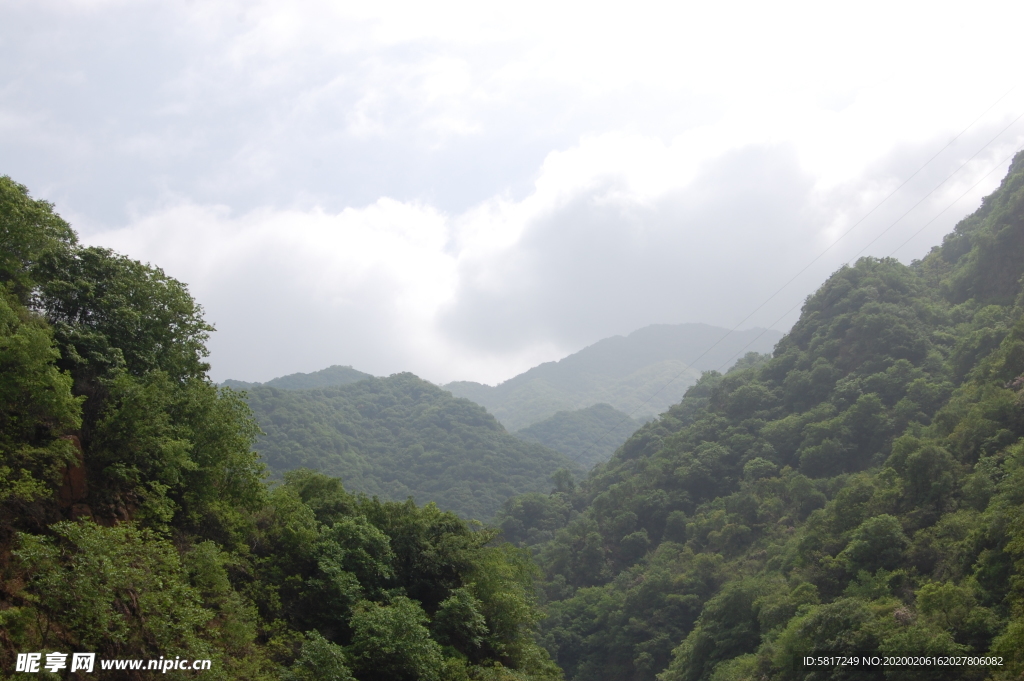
pixel 401 437
pixel 587 436
pixel 333 375
pixel 859 492
pixel 631 373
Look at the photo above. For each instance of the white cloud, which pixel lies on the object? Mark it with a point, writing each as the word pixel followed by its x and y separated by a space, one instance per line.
pixel 551 172
pixel 603 245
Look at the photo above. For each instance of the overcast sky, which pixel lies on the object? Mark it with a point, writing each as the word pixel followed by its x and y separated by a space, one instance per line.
pixel 464 190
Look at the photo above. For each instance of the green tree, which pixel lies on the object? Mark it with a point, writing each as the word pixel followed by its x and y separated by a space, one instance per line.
pixel 320 660
pixel 29 232
pixel 392 643
pixel 36 410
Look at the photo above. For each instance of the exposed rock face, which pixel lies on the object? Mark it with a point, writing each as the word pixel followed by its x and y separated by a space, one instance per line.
pixel 74 488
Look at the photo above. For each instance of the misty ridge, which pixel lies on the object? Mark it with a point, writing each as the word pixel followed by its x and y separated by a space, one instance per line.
pixel 400 437
pixel 642 374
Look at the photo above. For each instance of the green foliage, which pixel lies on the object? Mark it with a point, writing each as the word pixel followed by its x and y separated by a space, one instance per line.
pixel 878 543
pixel 110 312
pixel 320 660
pixel 114 590
pixel 29 231
pixel 135 522
pixel 859 491
pixel 459 623
pixel 37 408
pixel 401 437
pixel 391 642
pixel 587 436
pixel 174 449
pixel 325 378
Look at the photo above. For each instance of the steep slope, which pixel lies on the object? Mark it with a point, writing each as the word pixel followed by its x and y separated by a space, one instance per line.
pixel 860 491
pixel 587 436
pixel 631 373
pixel 325 378
pixel 401 436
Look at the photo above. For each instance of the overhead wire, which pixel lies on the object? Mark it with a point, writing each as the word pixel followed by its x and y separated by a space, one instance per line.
pixel 629 416
pixel 996 167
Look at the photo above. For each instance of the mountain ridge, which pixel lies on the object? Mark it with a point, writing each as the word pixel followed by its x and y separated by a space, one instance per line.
pixel 642 373
pixel 335 374
pixel 398 437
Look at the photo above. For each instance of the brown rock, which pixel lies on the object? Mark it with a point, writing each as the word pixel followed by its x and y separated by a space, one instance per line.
pixel 74 487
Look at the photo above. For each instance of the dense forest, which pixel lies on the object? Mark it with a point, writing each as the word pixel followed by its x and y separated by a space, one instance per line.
pixel 400 437
pixel 135 521
pixel 859 490
pixel 374 437
pixel 641 374
pixel 325 378
pixel 587 436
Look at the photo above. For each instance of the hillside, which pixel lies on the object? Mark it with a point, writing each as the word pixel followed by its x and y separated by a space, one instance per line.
pixel 135 523
pixel 860 491
pixel 631 373
pixel 587 436
pixel 325 378
pixel 398 437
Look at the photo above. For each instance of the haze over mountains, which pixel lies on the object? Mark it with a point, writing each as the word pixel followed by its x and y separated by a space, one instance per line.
pixel 325 378
pixel 401 437
pixel 577 407
pixel 587 436
pixel 633 373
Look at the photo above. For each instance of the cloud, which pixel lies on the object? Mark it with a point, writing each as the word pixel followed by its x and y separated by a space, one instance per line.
pixel 466 189
pixel 617 233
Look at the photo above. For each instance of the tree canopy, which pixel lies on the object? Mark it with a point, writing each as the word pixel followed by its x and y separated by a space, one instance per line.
pixel 136 522
pixel 400 437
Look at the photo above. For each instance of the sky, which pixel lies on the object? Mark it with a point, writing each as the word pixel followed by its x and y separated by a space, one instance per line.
pixel 464 190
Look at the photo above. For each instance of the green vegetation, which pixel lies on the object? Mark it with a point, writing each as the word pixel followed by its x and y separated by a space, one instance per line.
pixel 632 373
pixel 400 437
pixel 135 523
pixel 325 378
pixel 861 490
pixel 587 436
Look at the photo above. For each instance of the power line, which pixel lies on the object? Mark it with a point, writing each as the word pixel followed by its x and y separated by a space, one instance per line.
pixel 923 227
pixel 605 433
pixel 923 198
pixel 994 169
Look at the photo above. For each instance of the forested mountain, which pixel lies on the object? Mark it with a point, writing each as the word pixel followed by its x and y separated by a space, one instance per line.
pixel 861 491
pixel 587 436
pixel 401 436
pixel 325 378
pixel 630 373
pixel 135 523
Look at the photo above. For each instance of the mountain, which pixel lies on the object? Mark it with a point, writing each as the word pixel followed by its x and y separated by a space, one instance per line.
pixel 325 378
pixel 135 522
pixel 400 437
pixel 587 436
pixel 641 374
pixel 858 493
